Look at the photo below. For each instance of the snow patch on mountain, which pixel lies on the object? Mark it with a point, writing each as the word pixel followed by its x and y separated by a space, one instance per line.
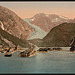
pixel 37 33
pixel 56 20
pixel 47 15
pixel 1 24
pixel 63 17
pixel 32 19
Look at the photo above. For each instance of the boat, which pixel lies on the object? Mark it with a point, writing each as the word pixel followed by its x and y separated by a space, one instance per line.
pixel 8 55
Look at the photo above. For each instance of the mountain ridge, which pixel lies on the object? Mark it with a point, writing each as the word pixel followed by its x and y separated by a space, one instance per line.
pixel 47 21
pixel 13 24
pixel 59 36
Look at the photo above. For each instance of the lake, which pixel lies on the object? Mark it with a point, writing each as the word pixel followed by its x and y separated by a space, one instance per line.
pixel 53 62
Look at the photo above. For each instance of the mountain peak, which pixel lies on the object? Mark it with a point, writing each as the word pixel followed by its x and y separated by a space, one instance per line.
pixel 47 21
pixel 40 14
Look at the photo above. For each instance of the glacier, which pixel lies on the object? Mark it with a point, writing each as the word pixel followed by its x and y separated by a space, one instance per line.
pixel 38 33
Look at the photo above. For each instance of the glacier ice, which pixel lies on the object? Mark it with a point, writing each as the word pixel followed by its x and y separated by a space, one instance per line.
pixel 37 33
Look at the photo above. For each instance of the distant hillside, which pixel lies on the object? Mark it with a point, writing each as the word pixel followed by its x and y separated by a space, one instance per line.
pixel 59 36
pixel 8 40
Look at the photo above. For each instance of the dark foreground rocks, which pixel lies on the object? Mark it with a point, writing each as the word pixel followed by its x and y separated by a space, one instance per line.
pixel 28 53
pixel 44 50
pixel 72 49
pixel 72 44
pixel 56 49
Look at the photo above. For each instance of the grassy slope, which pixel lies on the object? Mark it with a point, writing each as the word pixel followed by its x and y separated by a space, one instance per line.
pixel 13 39
pixel 59 36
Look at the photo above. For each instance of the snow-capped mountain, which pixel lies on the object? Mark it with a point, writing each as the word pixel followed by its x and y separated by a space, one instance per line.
pixel 37 33
pixel 47 21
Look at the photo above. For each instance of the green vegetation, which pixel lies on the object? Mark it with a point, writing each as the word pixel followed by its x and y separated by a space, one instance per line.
pixel 59 36
pixel 16 41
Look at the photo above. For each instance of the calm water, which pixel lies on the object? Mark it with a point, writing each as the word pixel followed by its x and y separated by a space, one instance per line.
pixel 51 62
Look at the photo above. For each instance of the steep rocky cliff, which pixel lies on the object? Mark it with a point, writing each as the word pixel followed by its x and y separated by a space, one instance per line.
pixel 13 24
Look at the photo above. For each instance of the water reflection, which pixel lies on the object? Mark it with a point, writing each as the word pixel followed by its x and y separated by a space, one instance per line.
pixel 51 62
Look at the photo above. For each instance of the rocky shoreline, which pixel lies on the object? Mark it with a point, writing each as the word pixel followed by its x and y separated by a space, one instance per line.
pixel 45 50
pixel 30 51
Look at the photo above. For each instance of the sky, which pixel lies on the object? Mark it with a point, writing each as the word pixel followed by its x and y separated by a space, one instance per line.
pixel 28 9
